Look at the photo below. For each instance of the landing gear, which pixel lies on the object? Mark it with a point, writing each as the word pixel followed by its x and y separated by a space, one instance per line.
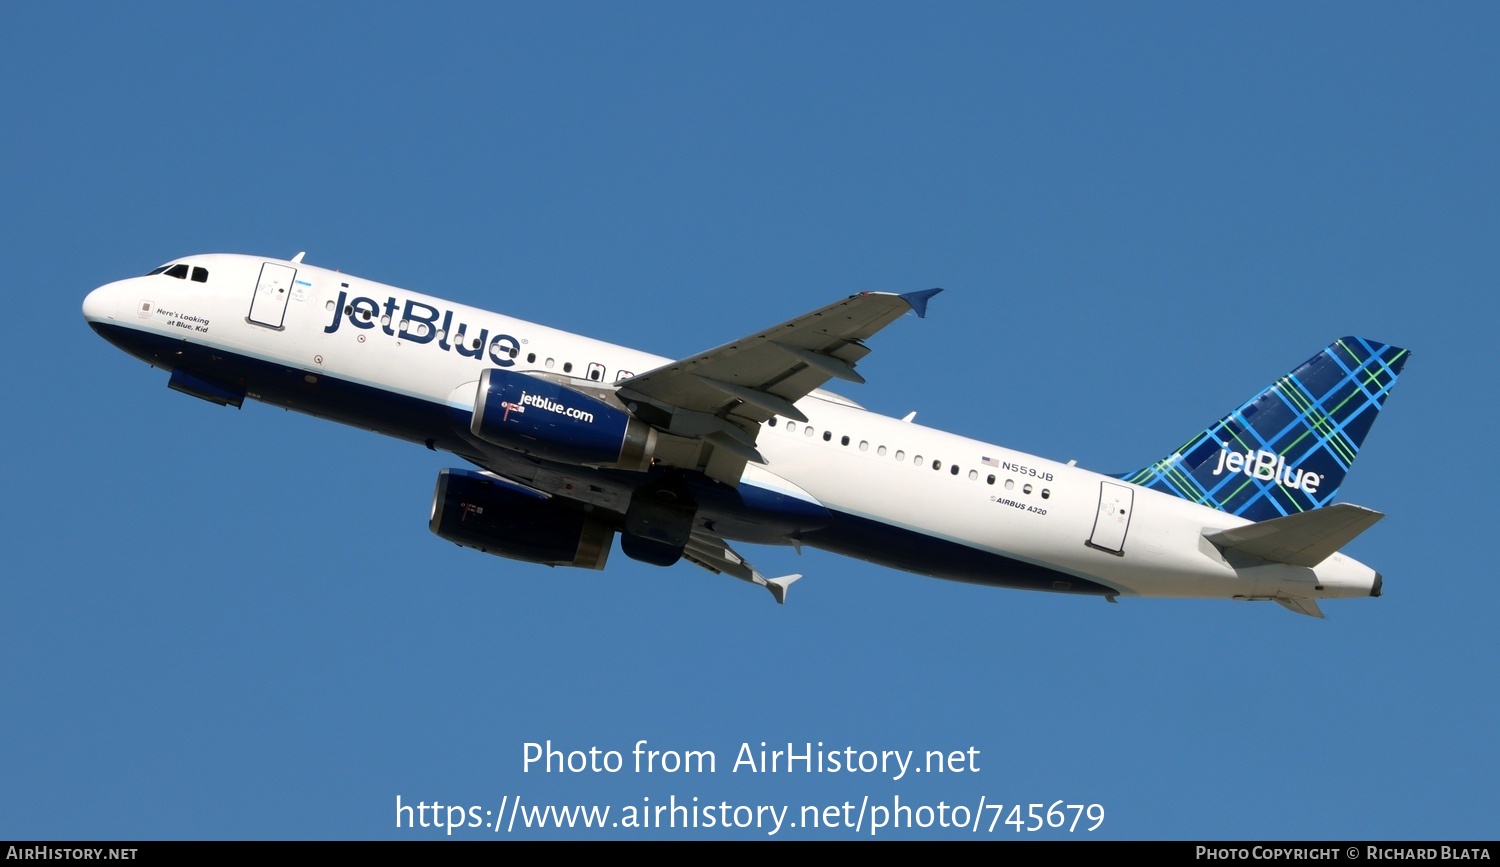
pixel 659 521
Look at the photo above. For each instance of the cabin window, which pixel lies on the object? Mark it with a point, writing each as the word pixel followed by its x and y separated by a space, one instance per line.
pixel 329 305
pixel 531 358
pixel 900 455
pixel 200 275
pixel 864 445
pixel 973 475
pixel 1046 493
pixel 386 320
pixel 568 367
pixel 827 435
pixel 771 421
pixel 990 480
pixel 880 451
pixel 791 427
pixel 953 471
pixel 917 459
pixel 937 465
pixel 843 441
pixel 808 430
pixel 1010 484
pixel 548 363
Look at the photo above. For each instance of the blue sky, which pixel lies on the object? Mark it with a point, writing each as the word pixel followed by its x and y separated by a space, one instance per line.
pixel 225 624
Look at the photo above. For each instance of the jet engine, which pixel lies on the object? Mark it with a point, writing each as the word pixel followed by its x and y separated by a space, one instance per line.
pixel 494 516
pixel 551 420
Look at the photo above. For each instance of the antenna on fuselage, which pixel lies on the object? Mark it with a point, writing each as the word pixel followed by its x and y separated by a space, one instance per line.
pixel 297 259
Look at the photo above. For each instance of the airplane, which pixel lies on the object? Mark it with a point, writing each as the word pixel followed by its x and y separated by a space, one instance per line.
pixel 574 442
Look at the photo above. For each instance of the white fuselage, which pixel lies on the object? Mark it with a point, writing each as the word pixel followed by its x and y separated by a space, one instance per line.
pixel 331 326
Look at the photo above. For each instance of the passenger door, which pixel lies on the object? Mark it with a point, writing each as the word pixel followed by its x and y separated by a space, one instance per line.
pixel 268 308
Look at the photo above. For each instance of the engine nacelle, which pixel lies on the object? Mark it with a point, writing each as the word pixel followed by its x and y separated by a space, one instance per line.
pixel 210 390
pixel 551 420
pixel 491 515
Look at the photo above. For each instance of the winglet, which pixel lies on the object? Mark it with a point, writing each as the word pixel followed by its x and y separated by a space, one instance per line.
pixel 778 586
pixel 918 300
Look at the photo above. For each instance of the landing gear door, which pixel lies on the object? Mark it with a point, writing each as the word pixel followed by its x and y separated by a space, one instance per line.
pixel 271 293
pixel 1113 518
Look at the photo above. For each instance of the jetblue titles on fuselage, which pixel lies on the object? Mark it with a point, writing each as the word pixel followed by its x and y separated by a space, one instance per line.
pixel 740 443
pixel 418 323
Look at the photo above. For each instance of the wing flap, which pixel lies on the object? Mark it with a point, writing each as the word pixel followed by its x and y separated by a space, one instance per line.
pixel 742 384
pixel 1301 605
pixel 786 361
pixel 713 554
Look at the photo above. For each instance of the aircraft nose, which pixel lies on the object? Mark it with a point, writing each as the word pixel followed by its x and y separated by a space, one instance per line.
pixel 101 303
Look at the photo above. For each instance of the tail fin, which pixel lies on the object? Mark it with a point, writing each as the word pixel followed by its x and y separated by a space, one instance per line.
pixel 1287 449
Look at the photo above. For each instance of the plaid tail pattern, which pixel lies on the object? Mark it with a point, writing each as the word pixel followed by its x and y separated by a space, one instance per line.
pixel 1288 448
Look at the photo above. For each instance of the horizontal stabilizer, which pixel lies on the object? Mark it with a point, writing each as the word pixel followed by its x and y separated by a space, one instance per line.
pixel 1301 605
pixel 1304 539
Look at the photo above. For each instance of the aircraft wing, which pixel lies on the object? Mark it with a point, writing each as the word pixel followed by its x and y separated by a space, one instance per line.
pixel 721 397
pixel 715 555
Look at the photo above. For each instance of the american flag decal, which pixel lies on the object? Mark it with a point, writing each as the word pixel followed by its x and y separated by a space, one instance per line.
pixel 989 462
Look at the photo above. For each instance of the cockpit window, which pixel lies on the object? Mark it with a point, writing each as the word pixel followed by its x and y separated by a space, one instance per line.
pixel 180 271
pixel 200 275
pixel 155 271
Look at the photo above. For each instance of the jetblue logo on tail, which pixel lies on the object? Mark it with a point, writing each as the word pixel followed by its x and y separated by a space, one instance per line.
pixel 1266 466
pixel 1292 443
